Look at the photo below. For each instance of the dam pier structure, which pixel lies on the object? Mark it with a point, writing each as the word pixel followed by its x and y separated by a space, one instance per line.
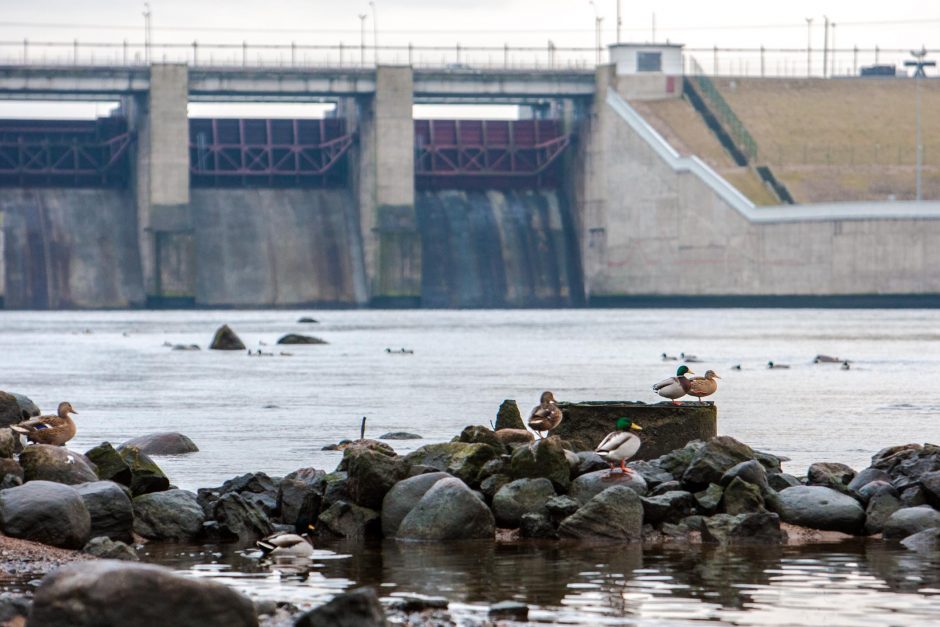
pixel 613 187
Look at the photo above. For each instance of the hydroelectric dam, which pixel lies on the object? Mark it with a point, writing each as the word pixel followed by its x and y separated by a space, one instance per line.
pixel 595 196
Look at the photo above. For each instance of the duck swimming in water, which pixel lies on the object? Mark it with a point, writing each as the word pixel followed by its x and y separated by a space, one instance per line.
pixel 620 445
pixel 546 415
pixel 692 359
pixel 704 386
pixel 670 357
pixel 772 366
pixel 286 545
pixel 55 430
pixel 675 387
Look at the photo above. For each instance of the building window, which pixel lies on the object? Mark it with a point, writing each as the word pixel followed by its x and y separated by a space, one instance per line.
pixel 649 61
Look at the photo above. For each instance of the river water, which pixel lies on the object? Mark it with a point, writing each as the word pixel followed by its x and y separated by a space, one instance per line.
pixel 275 413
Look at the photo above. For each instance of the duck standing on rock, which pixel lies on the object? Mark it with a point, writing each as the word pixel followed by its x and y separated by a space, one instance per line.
pixel 620 445
pixel 285 545
pixel 546 415
pixel 675 387
pixel 704 386
pixel 55 430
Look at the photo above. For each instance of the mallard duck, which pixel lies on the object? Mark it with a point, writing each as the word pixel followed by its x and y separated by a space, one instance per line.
pixel 692 359
pixel 285 544
pixel 772 366
pixel 704 386
pixel 826 359
pixel 55 430
pixel 674 387
pixel 736 367
pixel 670 357
pixel 546 415
pixel 620 445
pixel 845 365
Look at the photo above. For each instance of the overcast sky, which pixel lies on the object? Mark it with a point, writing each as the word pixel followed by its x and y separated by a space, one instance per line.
pixel 900 24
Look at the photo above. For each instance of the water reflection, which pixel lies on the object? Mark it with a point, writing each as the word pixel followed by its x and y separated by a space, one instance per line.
pixel 852 583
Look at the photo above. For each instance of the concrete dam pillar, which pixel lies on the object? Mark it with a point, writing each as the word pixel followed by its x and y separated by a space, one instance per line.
pixel 391 241
pixel 161 183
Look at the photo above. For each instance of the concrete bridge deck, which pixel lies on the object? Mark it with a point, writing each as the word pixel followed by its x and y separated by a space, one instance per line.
pixel 291 84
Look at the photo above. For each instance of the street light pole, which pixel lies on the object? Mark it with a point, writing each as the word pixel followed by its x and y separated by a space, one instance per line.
pixel 832 57
pixel 147 33
pixel 825 45
pixel 375 35
pixel 619 22
pixel 919 63
pixel 809 46
pixel 362 40
pixel 597 33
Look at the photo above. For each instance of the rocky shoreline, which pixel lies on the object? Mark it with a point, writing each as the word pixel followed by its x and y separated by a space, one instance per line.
pixel 60 509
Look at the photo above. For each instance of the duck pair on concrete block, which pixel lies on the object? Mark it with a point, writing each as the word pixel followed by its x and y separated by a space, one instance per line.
pixel 678 386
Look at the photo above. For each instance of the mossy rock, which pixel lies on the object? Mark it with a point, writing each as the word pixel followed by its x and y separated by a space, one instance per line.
pixel 508 416
pixel 543 458
pixel 464 460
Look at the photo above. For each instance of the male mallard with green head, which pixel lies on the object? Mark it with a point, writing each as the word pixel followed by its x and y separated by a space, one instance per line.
pixel 546 415
pixel 675 387
pixel 704 386
pixel 620 445
pixel 55 430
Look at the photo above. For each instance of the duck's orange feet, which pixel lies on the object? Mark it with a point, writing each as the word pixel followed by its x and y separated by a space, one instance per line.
pixel 676 403
pixel 623 468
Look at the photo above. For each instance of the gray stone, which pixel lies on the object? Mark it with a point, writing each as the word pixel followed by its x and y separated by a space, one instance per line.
pixel 348 520
pixel 146 476
pixel 879 509
pixel 98 593
pixel 508 416
pixel 930 481
pixel 448 511
pixel 761 528
pixel 497 466
pixel 586 487
pixel 866 476
pixel 400 435
pixel 926 541
pixel 371 474
pixel 240 519
pixel 15 408
pixel 653 474
pixel 874 488
pixel 226 340
pixel 677 462
pixel 356 608
pixel 514 438
pixel 662 488
pixel 782 481
pixel 832 475
pixel 616 513
pixel 170 515
pixel 519 497
pixel 560 507
pixel 46 512
pixel 543 458
pixel 112 514
pixel 573 462
pixel 461 459
pixel 668 507
pixel 819 507
pixel 334 489
pixel 742 497
pixel 509 610
pixel 11 473
pixel 709 499
pixel 913 495
pixel 751 471
pixel 910 520
pixel 298 497
pixel 402 498
pixel 589 461
pixel 105 548
pixel 297 338
pixel 491 485
pixel 536 525
pixel 714 460
pixel 771 463
pixel 477 434
pixel 165 443
pixel 907 464
pixel 10 443
pixel 56 463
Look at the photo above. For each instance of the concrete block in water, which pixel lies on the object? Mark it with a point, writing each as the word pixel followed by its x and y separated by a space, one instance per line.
pixel 666 427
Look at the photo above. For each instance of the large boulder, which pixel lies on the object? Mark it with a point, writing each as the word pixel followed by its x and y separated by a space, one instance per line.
pixel 104 547
pixel 356 608
pixel 240 519
pixel 255 487
pixel 47 512
pixel 112 514
pixel 907 464
pixel 482 435
pixel 449 510
pixel 819 507
pixel 297 338
pixel 348 520
pixel 587 486
pixel 519 497
pixel 676 462
pixel 543 458
pixel 402 498
pixel 910 520
pixel 668 507
pixel 508 416
pixel 14 410
pixel 714 459
pixel 111 466
pixel 56 463
pixel 226 340
pixel 298 497
pixel 170 515
pixel 110 593
pixel 741 497
pixel 881 506
pixel 164 443
pixel 926 541
pixel 371 474
pixel 461 459
pixel 751 528
pixel 832 475
pixel 146 476
pixel 751 471
pixel 616 513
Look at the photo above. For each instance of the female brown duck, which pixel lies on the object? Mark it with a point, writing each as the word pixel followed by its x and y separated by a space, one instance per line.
pixel 546 415
pixel 55 430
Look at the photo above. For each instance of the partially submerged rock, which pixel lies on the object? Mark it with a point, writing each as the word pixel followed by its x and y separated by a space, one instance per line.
pixel 226 340
pixel 449 510
pixel 520 497
pixel 356 608
pixel 616 513
pixel 170 515
pixel 819 507
pixel 110 508
pixel 297 338
pixel 403 497
pixel 165 443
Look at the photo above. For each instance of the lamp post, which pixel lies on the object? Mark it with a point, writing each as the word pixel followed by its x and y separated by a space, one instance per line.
pixel 619 22
pixel 832 57
pixel 597 33
pixel 809 45
pixel 362 40
pixel 147 33
pixel 825 45
pixel 375 35
pixel 919 63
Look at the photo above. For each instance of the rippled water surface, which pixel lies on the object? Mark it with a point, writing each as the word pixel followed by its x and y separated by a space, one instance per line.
pixel 276 413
